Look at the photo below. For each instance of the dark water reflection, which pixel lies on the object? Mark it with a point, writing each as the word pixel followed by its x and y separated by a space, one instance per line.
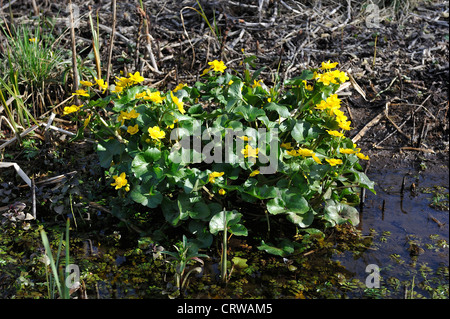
pixel 408 231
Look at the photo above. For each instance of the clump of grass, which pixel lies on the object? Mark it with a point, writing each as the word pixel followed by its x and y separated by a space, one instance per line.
pixel 32 60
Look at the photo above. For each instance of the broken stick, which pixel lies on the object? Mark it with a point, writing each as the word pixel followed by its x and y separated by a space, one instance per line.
pixel 373 122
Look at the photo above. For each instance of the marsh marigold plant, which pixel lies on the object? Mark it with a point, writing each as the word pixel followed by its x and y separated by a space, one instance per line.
pixel 169 152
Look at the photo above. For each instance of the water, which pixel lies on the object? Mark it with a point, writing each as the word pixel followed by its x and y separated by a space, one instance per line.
pixel 409 234
pixel 397 219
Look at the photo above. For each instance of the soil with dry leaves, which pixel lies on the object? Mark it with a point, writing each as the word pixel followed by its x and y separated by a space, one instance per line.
pixel 398 97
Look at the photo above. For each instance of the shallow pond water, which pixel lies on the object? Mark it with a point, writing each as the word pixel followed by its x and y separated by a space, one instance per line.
pixel 407 224
pixel 405 230
pixel 409 221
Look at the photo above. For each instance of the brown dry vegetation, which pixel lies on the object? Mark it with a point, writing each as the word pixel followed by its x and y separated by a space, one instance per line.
pixel 400 110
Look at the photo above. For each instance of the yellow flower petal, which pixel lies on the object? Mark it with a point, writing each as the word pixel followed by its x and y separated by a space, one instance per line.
pixel 347 151
pixel 217 66
pixel 154 96
pixel 178 103
pixel 86 83
pixel 335 133
pixel 133 129
pixel 362 156
pixel 179 87
pixel 212 176
pixel 81 93
pixel 254 173
pixel 71 109
pixel 333 161
pixel 249 151
pixel 155 133
pixel 120 181
pixel 328 65
pixel 135 78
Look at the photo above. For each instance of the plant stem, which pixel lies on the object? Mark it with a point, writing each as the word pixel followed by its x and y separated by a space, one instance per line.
pixel 224 248
pixel 74 54
pixel 113 30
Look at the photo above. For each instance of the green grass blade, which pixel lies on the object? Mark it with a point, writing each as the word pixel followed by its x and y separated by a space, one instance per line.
pixel 66 288
pixel 48 251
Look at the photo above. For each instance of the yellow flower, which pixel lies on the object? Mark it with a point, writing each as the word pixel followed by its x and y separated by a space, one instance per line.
pixel 155 133
pixel 341 76
pixel 32 40
pixel 316 159
pixel 86 121
pixel 256 83
pixel 249 151
pixel 323 105
pixel 292 153
pixel 133 114
pixel 307 87
pixel 254 173
pixel 81 92
pixel 335 133
pixel 328 65
pixel 127 115
pixel 178 103
pixel 326 78
pixel 173 124
pixel 305 152
pixel 362 156
pixel 245 138
pixel 333 101
pixel 154 96
pixel 101 83
pixel 231 82
pixel 123 82
pixel 347 151
pixel 120 181
pixel 140 95
pixel 205 71
pixel 179 87
pixel 345 125
pixel 340 116
pixel 333 161
pixel 286 145
pixel 117 89
pixel 133 129
pixel 71 109
pixel 222 191
pixel 135 78
pixel 86 83
pixel 331 104
pixel 218 66
pixel 212 176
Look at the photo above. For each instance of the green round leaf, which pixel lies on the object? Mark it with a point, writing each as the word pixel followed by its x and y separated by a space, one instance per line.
pixel 276 206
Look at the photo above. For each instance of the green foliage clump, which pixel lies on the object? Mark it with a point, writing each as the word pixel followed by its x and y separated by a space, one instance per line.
pixel 228 147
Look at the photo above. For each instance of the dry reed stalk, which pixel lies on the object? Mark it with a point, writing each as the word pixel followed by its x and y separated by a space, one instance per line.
pixel 74 53
pixel 111 43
